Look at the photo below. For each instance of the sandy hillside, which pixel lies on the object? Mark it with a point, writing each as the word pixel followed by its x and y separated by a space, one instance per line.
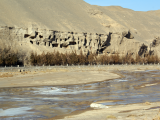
pixel 77 15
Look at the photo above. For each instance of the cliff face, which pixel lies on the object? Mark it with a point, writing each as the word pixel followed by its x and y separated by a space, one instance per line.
pixel 66 25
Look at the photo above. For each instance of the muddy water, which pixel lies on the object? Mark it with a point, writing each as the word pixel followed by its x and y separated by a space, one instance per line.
pixel 51 101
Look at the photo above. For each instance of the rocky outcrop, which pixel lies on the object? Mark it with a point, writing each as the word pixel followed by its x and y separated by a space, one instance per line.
pixel 109 43
pixel 156 42
pixel 85 42
pixel 143 50
pixel 74 25
pixel 78 16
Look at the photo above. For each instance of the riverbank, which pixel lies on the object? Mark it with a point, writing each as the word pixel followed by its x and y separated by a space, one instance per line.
pixel 134 74
pixel 52 77
pixel 66 75
pixel 140 111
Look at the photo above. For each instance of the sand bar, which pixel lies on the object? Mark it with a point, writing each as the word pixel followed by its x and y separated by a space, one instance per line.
pixel 67 76
pixel 57 78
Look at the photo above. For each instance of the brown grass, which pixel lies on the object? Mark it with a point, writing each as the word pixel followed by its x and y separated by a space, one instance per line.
pixel 111 117
pixel 5 75
pixel 56 58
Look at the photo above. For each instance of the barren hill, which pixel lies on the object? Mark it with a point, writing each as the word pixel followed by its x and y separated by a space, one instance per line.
pixel 114 28
pixel 76 15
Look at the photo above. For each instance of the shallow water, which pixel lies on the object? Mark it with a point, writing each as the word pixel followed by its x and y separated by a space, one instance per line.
pixel 51 101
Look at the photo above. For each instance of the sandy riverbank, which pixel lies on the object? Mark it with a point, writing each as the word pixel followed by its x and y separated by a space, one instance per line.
pixel 82 75
pixel 140 111
pixel 67 76
pixel 60 77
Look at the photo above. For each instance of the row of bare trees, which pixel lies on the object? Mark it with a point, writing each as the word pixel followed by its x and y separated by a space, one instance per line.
pixel 128 59
pixel 9 57
pixel 56 58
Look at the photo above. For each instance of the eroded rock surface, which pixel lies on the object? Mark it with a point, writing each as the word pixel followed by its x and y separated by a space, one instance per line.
pixel 74 41
pixel 74 25
pixel 109 43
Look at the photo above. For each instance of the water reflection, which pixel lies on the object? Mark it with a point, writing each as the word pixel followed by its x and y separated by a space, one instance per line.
pixel 50 101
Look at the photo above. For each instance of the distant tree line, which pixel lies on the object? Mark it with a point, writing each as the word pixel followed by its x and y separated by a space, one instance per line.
pixel 56 58
pixel 9 57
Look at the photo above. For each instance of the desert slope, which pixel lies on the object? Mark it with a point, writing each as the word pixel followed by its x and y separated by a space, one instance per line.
pixel 143 25
pixel 74 25
pixel 64 15
pixel 79 16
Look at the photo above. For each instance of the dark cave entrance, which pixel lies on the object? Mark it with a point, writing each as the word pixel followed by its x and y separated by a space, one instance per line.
pixel 31 42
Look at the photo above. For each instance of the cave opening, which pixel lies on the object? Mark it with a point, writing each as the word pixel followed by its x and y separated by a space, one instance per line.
pixel 129 35
pixel 108 41
pixel 11 28
pixel 49 37
pixel 40 36
pixel 32 37
pixel 26 35
pixel 54 45
pixel 36 34
pixel 31 42
pixel 72 43
pixel 37 43
pixel 61 45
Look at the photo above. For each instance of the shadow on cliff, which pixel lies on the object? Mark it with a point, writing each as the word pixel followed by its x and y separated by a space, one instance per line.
pixel 108 41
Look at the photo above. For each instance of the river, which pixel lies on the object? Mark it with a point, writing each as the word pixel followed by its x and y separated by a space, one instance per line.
pixel 52 101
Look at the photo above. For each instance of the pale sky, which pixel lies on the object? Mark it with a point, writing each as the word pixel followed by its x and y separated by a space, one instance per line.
pixel 136 5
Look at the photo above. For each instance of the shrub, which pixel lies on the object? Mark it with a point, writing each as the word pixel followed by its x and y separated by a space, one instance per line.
pixel 115 59
pixel 91 58
pixel 10 57
pixel 82 59
pixel 64 58
pixel 73 58
pixel 56 58
pixel 152 59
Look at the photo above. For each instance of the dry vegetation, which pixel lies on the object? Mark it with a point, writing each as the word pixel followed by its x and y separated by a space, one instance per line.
pixel 10 57
pixel 56 58
pixel 5 75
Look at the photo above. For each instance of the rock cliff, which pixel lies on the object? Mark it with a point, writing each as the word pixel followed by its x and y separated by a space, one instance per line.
pixel 67 25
